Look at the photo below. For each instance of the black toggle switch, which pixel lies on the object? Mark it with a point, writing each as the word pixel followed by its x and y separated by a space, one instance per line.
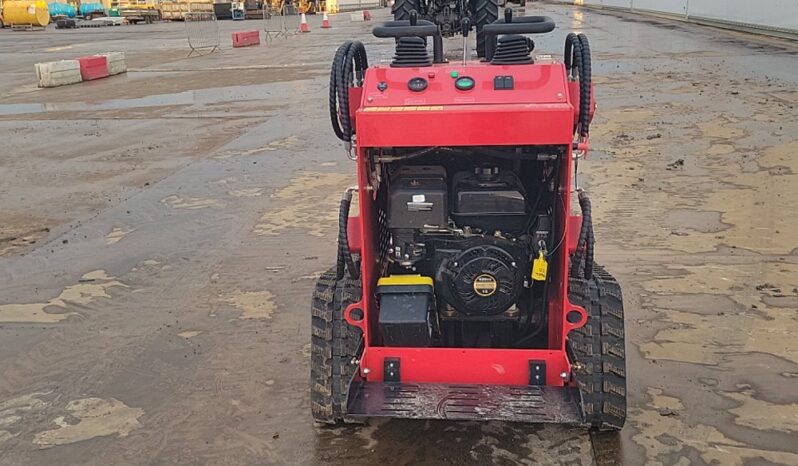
pixel 503 83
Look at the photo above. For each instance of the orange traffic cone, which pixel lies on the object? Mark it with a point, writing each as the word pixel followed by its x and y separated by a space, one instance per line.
pixel 303 25
pixel 325 22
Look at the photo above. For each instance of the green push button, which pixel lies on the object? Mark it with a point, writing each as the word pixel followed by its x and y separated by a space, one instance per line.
pixel 455 74
pixel 464 84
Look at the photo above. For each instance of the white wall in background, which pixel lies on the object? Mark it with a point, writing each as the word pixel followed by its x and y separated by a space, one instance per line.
pixel 768 14
pixel 773 13
pixel 674 7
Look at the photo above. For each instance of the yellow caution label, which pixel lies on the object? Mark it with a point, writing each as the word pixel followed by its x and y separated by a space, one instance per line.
pixel 540 268
pixel 408 108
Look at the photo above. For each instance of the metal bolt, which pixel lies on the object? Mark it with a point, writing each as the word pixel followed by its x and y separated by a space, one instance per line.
pixel 366 370
pixel 512 264
pixel 370 99
pixel 390 364
pixel 563 375
pixel 455 264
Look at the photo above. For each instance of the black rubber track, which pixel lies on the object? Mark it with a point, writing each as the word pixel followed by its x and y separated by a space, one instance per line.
pixel 599 349
pixel 334 343
pixel 485 12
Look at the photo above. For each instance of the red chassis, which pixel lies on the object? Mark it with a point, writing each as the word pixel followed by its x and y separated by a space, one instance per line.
pixel 541 111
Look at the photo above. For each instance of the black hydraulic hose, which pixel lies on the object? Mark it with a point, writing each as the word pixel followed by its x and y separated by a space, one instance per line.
pixel 586 243
pixel 577 65
pixel 585 80
pixel 348 70
pixel 344 255
pixel 569 52
pixel 334 76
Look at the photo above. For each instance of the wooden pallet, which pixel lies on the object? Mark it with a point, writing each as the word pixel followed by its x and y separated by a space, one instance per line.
pixel 26 27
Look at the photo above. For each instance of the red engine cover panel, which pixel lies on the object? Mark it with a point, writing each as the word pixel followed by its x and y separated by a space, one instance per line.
pixel 535 111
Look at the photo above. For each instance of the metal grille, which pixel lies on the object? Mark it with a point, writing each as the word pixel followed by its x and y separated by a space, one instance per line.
pixel 280 20
pixel 202 32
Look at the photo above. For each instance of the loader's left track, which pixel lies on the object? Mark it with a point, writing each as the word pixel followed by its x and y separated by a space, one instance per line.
pixel 334 344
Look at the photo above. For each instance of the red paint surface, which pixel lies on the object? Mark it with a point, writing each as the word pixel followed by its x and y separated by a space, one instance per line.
pixel 93 67
pixel 246 38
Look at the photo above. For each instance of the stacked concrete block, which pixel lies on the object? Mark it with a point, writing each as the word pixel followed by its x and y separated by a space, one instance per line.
pixel 116 62
pixel 58 73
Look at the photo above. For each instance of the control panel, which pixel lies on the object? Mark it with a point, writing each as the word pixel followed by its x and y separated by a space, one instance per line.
pixel 474 83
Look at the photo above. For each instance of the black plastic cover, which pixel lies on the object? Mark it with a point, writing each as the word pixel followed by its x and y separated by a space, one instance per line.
pixel 404 315
pixel 489 204
pixel 418 197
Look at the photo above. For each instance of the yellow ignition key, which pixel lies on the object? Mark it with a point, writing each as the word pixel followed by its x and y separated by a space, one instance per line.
pixel 540 267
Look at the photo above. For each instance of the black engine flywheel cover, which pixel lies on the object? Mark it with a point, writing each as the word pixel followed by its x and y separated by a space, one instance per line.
pixel 484 280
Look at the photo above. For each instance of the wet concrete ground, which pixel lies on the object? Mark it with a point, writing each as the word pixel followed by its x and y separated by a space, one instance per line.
pixel 160 233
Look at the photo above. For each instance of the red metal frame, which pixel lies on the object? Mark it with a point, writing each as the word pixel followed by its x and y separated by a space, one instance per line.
pixel 541 110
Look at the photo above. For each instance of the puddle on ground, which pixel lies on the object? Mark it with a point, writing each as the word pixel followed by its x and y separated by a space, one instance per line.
pixel 666 438
pixel 191 203
pixel 252 304
pixel 90 418
pixel 90 287
pixel 206 96
pixel 116 235
pixel 307 204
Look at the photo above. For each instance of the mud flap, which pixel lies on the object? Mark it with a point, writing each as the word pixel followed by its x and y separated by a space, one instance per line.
pixel 529 404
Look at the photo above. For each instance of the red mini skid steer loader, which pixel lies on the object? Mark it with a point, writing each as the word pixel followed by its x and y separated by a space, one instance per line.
pixel 466 288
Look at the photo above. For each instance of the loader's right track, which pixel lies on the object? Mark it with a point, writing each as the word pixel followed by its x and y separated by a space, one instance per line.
pixel 599 351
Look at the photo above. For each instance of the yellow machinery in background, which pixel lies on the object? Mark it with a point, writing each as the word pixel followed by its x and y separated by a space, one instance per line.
pixel 25 13
pixel 139 11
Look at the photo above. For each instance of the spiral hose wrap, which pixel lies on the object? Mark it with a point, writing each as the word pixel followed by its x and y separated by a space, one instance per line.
pixel 578 65
pixel 348 69
pixel 345 260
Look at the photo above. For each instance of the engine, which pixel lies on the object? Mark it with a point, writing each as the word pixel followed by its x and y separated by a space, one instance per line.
pixel 473 231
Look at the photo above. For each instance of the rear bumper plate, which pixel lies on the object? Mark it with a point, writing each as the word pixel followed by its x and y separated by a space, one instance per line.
pixel 530 404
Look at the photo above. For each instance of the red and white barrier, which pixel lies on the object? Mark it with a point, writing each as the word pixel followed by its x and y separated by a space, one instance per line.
pixel 246 38
pixel 93 67
pixel 87 68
